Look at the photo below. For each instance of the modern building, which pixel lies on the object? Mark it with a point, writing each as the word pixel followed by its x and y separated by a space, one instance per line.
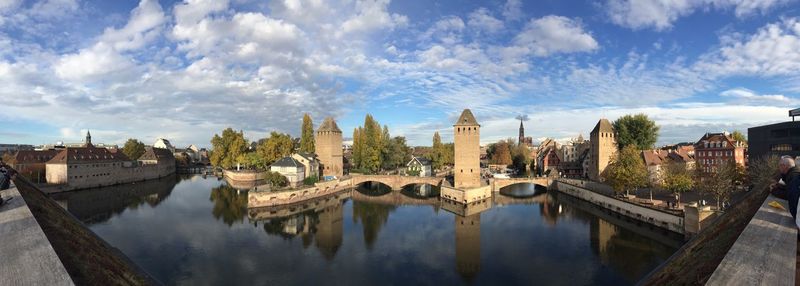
pixel 715 149
pixel 774 140
pixel 603 148
pixel 420 166
pixel 467 151
pixel 293 170
pixel 310 162
pixel 328 146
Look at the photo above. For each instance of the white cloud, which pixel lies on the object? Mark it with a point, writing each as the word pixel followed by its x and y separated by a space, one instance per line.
pixel 749 95
pixel 481 19
pixel 773 50
pixel 512 10
pixel 661 14
pixel 372 15
pixel 555 34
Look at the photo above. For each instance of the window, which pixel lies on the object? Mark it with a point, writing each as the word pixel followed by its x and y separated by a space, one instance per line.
pixel 781 147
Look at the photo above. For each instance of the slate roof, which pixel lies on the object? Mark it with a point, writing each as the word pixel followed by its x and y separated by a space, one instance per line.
pixel 466 119
pixel 422 160
pixel 288 162
pixel 308 156
pixel 87 155
pixel 329 125
pixel 654 157
pixel 32 157
pixel 603 126
pixel 157 154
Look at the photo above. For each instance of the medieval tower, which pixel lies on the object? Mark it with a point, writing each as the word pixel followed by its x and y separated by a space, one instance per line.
pixel 467 137
pixel 468 245
pixel 603 148
pixel 521 139
pixel 329 148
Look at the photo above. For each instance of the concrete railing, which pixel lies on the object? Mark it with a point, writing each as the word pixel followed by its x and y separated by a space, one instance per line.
pixel 27 256
pixel 764 253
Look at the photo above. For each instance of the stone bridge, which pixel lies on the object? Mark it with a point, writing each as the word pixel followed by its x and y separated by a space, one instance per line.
pixel 498 184
pixel 395 182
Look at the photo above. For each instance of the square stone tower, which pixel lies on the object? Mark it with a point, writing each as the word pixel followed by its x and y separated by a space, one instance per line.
pixel 603 147
pixel 467 137
pixel 328 146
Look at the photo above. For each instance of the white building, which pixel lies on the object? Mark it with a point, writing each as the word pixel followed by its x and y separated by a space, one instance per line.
pixel 164 144
pixel 420 166
pixel 310 162
pixel 293 170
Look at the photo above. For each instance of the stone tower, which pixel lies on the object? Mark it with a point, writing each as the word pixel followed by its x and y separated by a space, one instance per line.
pixel 88 139
pixel 603 148
pixel 467 137
pixel 329 148
pixel 521 133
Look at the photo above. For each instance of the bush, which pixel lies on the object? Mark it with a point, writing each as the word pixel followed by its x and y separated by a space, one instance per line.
pixel 276 179
pixel 310 181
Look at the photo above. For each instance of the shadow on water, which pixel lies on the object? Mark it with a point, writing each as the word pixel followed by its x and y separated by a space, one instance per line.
pixel 523 190
pixel 373 189
pixel 99 205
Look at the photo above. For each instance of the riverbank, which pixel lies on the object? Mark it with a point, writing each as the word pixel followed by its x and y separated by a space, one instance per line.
pixel 87 258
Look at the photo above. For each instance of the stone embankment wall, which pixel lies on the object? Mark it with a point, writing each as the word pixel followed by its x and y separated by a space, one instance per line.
pixel 654 217
pixel 243 176
pixel 268 199
pixel 85 176
pixel 466 196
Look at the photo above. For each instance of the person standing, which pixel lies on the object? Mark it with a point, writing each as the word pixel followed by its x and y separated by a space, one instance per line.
pixel 790 189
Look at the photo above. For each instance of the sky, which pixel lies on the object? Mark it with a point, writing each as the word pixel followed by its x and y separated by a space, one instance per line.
pixel 185 70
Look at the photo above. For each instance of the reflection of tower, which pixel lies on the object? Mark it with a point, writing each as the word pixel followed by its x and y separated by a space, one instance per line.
pixel 328 146
pixel 467 151
pixel 329 231
pixel 468 245
pixel 602 232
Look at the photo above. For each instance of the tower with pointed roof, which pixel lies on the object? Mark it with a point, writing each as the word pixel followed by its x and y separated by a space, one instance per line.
pixel 467 137
pixel 521 139
pixel 329 148
pixel 603 147
pixel 88 139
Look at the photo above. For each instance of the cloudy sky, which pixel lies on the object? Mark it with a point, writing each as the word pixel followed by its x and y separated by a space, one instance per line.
pixel 186 70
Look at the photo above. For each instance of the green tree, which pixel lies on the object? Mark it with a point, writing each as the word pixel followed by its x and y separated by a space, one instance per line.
pixel 307 137
pixel 229 205
pixel 251 160
pixel 385 146
pixel 133 149
pixel 398 153
pixel 677 179
pixel 310 180
pixel 738 136
pixel 277 146
pixel 371 148
pixel 436 155
pixel 448 153
pixel 627 170
pixel 276 179
pixel 502 154
pixel 637 130
pixel 761 172
pixel 227 148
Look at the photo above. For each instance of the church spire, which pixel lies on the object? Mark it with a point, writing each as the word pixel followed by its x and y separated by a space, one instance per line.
pixel 88 138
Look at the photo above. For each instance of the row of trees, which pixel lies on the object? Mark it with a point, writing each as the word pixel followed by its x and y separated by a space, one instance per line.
pixel 441 153
pixel 508 152
pixel 375 150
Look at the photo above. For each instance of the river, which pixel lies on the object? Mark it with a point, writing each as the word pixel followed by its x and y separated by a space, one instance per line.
pixel 191 230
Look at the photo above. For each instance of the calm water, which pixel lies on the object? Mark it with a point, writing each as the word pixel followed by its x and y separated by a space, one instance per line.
pixel 194 231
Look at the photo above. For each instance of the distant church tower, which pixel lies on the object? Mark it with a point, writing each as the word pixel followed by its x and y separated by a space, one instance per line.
pixel 521 133
pixel 329 148
pixel 88 139
pixel 603 147
pixel 467 151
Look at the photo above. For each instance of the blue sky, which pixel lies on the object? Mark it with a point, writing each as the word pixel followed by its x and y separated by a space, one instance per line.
pixel 185 70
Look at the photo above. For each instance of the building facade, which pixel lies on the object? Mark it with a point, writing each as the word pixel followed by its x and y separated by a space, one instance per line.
pixel 603 148
pixel 715 149
pixel 467 151
pixel 164 144
pixel 420 166
pixel 31 163
pixel 293 170
pixel 774 140
pixel 310 162
pixel 328 146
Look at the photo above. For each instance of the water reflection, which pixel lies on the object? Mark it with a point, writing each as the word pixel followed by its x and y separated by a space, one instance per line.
pixel 372 235
pixel 99 205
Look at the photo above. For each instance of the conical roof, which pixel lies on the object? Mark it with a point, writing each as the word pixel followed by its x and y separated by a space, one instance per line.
pixel 329 125
pixel 603 126
pixel 466 119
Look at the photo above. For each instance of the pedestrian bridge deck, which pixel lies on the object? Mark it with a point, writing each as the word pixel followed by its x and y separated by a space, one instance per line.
pixel 26 254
